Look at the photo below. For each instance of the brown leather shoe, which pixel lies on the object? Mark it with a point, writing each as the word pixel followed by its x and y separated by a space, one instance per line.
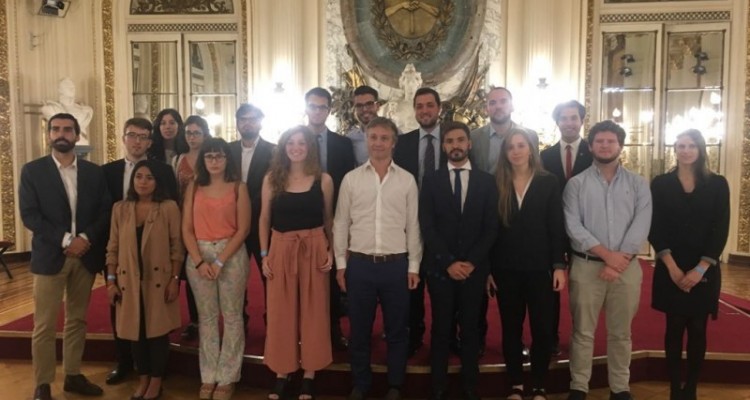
pixel 42 392
pixel 79 384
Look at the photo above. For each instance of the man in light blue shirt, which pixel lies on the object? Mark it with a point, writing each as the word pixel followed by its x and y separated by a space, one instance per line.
pixel 365 110
pixel 608 216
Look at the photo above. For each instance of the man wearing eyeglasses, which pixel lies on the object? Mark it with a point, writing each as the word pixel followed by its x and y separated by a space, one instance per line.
pixel 336 159
pixel 136 138
pixel 366 108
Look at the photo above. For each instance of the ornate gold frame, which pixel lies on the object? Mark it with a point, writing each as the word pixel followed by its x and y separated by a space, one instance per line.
pixel 743 222
pixel 109 79
pixel 7 188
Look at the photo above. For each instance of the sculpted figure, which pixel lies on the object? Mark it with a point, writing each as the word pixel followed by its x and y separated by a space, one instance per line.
pixel 66 104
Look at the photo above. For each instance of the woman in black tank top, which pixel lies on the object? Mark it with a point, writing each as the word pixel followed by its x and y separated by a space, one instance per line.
pixel 296 219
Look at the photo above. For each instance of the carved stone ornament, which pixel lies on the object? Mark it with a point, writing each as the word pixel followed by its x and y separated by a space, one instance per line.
pixel 141 7
pixel 439 37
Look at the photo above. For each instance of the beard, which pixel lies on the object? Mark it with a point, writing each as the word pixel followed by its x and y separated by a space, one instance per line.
pixel 249 135
pixel 500 120
pixel 602 160
pixel 457 155
pixel 63 146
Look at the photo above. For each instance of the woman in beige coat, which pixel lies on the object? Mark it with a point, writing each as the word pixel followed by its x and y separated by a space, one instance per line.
pixel 144 258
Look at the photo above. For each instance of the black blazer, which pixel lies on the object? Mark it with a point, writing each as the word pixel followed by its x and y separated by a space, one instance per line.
pixel 450 235
pixel 406 153
pixel 258 168
pixel 535 239
pixel 114 173
pixel 552 161
pixel 340 160
pixel 45 211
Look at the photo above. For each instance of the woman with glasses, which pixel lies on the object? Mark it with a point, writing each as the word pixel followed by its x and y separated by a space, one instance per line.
pixel 216 220
pixel 296 218
pixel 168 138
pixel 196 132
pixel 689 229
pixel 144 260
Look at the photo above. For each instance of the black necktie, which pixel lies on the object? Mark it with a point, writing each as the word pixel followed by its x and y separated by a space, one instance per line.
pixel 457 189
pixel 429 156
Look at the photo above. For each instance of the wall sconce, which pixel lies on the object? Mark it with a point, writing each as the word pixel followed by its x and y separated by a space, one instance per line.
pixel 625 70
pixel 699 68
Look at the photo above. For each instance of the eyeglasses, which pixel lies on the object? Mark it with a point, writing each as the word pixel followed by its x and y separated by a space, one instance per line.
pixel 193 133
pixel 216 157
pixel 315 107
pixel 253 119
pixel 134 137
pixel 360 106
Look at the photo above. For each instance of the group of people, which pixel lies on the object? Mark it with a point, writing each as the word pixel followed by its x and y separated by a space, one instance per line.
pixel 379 216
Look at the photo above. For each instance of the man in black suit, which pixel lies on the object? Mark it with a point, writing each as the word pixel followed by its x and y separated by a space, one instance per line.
pixel 566 159
pixel 137 140
pixel 419 153
pixel 458 217
pixel 337 159
pixel 64 202
pixel 252 157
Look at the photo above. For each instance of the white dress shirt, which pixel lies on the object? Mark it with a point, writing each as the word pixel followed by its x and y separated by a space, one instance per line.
pixel 69 176
pixel 377 217
pixel 573 152
pixel 247 158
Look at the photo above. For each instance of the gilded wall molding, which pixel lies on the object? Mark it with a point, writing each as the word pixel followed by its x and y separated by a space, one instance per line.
pixel 743 223
pixel 212 27
pixel 109 79
pixel 588 82
pixel 7 188
pixel 244 44
pixel 696 16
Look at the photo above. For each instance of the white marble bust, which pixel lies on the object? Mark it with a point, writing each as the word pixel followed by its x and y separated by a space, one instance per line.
pixel 66 104
pixel 400 107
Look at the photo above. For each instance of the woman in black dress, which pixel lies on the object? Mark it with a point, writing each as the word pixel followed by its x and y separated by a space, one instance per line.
pixel 689 230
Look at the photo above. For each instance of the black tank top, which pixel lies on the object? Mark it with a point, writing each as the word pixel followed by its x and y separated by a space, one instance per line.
pixel 296 211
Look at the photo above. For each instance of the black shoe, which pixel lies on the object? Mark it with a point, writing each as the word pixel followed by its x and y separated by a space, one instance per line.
pixel 356 395
pixel 42 392
pixel 79 384
pixel 393 394
pixel 481 349
pixel 620 396
pixel 339 343
pixel 471 395
pixel 190 332
pixel 576 395
pixel 525 354
pixel 118 375
pixel 438 394
pixel 455 347
pixel 556 351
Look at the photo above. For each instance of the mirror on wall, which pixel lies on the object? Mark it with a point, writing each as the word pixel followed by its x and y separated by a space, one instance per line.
pixel 155 73
pixel 213 84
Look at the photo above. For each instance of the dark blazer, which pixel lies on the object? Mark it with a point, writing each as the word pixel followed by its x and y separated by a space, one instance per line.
pixel 114 173
pixel 45 211
pixel 340 160
pixel 406 153
pixel 258 168
pixel 450 235
pixel 552 161
pixel 535 239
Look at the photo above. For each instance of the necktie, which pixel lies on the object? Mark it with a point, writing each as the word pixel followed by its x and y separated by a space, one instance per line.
pixel 568 163
pixel 429 156
pixel 457 189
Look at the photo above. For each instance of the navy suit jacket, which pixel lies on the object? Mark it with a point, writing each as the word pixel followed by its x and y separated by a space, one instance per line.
pixel 450 235
pixel 45 211
pixel 114 173
pixel 340 160
pixel 406 153
pixel 257 170
pixel 552 161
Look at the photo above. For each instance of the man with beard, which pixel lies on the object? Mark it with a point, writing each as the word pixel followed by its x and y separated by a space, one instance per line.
pixel 488 140
pixel 419 153
pixel 64 202
pixel 458 219
pixel 252 156
pixel 608 216
pixel 137 140
pixel 337 159
pixel 566 159
pixel 366 108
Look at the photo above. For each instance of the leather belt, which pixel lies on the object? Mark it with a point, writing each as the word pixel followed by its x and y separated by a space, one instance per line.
pixel 587 257
pixel 378 258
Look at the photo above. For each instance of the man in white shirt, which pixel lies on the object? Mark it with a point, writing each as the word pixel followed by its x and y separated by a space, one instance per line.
pixel 378 250
pixel 366 108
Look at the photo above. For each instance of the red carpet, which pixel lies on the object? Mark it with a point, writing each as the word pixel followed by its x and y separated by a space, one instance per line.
pixel 648 327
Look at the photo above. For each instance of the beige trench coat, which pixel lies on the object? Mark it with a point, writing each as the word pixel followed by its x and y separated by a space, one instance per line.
pixel 160 247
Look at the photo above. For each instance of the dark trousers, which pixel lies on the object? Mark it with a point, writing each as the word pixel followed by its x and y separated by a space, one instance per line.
pixel 447 295
pixel 192 309
pixel 150 353
pixel 335 306
pixel 123 351
pixel 252 245
pixel 695 327
pixel 555 341
pixel 517 291
pixel 416 313
pixel 367 284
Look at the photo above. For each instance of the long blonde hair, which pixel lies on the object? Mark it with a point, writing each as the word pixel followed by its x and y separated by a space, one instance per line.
pixel 504 173
pixel 280 164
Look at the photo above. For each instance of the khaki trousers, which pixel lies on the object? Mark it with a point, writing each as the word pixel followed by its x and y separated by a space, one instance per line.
pixel 299 331
pixel 620 299
pixel 74 282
